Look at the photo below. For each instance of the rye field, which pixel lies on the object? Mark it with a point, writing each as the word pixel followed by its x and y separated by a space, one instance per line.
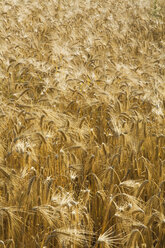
pixel 82 124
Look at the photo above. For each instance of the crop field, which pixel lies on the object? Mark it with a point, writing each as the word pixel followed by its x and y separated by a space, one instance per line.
pixel 82 124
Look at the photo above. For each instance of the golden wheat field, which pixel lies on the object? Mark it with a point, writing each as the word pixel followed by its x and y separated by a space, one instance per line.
pixel 82 124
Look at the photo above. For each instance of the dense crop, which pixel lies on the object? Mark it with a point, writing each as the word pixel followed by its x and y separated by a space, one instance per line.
pixel 82 127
